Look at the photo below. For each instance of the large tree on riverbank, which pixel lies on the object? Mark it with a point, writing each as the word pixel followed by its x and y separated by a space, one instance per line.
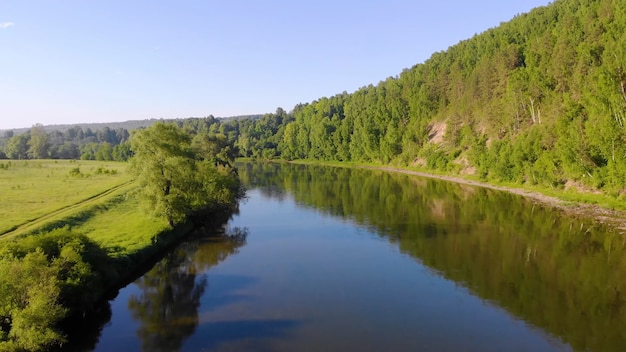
pixel 179 179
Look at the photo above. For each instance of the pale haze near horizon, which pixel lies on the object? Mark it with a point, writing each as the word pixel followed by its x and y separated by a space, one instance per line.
pixel 66 62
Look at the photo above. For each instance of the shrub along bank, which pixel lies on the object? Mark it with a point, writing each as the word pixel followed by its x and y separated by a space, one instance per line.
pixel 48 277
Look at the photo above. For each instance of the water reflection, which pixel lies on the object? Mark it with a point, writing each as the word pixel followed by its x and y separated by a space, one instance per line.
pixel 565 275
pixel 246 335
pixel 85 331
pixel 166 306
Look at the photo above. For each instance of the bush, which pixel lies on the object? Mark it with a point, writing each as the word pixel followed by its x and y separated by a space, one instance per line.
pixel 29 303
pixel 102 170
pixel 43 278
pixel 74 172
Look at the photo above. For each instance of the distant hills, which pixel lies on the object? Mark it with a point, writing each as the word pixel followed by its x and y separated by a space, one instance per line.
pixel 100 141
pixel 127 125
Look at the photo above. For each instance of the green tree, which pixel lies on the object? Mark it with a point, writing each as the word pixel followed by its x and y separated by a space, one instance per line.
pixel 68 150
pixel 38 144
pixel 122 152
pixel 105 151
pixel 177 182
pixel 88 151
pixel 17 147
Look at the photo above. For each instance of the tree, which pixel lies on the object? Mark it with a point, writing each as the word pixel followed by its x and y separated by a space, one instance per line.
pixel 105 151
pixel 88 151
pixel 68 150
pixel 175 181
pixel 122 152
pixel 17 147
pixel 38 144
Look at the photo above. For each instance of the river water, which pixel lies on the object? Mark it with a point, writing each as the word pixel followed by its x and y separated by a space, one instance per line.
pixel 333 259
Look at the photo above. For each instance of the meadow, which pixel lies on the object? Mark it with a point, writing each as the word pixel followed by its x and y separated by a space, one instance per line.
pixel 32 190
pixel 93 198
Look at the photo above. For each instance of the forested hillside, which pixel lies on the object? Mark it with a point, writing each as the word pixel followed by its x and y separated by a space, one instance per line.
pixel 539 99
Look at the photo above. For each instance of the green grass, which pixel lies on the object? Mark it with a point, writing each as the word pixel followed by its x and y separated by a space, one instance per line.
pixel 33 189
pixel 41 195
pixel 122 228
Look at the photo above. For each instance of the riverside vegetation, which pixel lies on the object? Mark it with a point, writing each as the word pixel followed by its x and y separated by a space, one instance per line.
pixel 72 230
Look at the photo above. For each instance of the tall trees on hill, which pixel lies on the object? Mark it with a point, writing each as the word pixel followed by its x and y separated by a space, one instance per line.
pixel 539 99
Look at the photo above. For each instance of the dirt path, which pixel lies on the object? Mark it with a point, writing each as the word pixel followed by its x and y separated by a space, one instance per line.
pixel 34 223
pixel 613 218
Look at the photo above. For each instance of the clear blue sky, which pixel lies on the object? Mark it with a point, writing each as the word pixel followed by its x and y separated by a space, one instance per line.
pixel 73 61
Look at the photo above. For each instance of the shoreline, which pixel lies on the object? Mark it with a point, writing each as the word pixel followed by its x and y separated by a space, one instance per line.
pixel 614 218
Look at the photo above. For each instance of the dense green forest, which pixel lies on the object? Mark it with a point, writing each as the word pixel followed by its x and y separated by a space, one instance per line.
pixel 540 99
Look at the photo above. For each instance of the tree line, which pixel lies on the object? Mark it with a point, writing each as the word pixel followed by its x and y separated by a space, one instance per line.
pixel 73 143
pixel 103 143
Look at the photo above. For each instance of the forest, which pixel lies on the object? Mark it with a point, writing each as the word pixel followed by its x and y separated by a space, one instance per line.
pixel 538 100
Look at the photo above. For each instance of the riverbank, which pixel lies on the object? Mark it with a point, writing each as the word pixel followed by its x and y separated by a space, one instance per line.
pixel 612 217
pixel 70 275
pixel 73 234
pixel 615 218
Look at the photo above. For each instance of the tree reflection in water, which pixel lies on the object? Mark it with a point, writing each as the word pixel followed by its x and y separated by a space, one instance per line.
pixel 167 307
pixel 563 274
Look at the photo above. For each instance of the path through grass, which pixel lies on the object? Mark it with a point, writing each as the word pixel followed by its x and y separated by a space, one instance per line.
pixel 35 192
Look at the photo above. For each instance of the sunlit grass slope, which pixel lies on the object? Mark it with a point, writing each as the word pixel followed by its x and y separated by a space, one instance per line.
pixel 121 227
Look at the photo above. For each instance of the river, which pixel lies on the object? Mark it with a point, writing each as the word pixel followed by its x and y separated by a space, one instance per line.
pixel 336 259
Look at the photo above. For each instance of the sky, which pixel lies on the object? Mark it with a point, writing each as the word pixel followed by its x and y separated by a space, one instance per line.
pixel 80 61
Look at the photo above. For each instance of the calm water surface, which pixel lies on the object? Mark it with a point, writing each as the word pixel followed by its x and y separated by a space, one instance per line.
pixel 330 259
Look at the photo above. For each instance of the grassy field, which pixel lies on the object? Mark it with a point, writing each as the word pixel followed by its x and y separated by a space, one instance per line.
pixel 93 198
pixel 31 190
pixel 122 227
